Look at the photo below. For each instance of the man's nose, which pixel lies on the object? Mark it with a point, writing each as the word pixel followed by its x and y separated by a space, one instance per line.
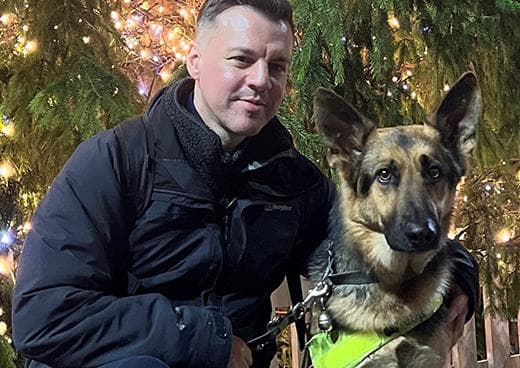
pixel 258 78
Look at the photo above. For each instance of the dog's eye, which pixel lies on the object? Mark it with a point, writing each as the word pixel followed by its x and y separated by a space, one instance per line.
pixel 384 176
pixel 434 172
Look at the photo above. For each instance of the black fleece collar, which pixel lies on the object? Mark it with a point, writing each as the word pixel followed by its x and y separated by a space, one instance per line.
pixel 203 148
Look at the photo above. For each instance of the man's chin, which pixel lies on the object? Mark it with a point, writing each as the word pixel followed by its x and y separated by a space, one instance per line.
pixel 248 128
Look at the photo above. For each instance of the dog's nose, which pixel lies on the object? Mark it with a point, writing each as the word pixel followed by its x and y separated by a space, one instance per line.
pixel 422 236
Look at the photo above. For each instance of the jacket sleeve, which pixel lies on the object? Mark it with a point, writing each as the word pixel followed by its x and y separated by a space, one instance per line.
pixel 65 309
pixel 465 274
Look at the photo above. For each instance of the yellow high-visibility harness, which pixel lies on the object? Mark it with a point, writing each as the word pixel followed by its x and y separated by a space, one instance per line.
pixel 352 347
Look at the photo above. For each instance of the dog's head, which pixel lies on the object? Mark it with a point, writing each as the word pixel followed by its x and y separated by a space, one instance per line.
pixel 400 182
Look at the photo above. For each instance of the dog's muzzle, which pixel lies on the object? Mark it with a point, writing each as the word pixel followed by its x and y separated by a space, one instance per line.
pixel 418 235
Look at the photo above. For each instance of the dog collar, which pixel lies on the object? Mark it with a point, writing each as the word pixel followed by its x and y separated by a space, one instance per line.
pixel 350 277
pixel 347 349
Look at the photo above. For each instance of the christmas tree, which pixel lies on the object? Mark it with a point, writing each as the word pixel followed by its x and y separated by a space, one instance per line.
pixel 70 69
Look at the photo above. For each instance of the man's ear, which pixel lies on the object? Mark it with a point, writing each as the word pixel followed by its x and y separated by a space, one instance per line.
pixel 342 128
pixel 457 116
pixel 193 60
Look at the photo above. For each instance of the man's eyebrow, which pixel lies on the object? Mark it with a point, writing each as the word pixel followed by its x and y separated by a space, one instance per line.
pixel 250 52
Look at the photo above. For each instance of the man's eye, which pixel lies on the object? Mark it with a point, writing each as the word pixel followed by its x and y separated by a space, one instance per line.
pixel 278 68
pixel 240 59
pixel 384 176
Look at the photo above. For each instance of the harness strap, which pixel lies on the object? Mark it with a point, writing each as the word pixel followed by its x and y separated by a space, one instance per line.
pixel 347 349
pixel 352 278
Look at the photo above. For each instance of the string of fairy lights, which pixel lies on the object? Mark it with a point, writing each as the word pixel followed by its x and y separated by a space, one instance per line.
pixel 157 36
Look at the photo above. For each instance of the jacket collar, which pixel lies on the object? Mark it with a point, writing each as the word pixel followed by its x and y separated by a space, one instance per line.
pixel 202 148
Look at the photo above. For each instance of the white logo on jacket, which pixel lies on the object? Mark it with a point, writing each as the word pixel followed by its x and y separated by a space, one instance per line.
pixel 277 207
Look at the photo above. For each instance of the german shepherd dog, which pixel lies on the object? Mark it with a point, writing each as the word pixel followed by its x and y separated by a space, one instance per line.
pixel 396 193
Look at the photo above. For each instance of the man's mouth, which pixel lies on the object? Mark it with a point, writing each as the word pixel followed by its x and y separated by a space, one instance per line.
pixel 254 101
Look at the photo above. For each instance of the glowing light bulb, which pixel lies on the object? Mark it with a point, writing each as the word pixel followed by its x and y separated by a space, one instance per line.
pixel 6 238
pixel 165 74
pixel 143 88
pixel 7 19
pixel 6 170
pixel 8 130
pixel 446 87
pixel 27 226
pixel 86 39
pixel 145 54
pixel 503 236
pixel 393 22
pixel 156 29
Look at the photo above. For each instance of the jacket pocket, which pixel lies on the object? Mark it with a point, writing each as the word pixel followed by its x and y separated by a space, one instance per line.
pixel 175 244
pixel 262 237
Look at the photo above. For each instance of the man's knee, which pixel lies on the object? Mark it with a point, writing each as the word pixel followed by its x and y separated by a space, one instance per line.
pixel 136 362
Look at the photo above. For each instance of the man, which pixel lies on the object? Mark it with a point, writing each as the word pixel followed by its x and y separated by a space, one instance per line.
pixel 233 208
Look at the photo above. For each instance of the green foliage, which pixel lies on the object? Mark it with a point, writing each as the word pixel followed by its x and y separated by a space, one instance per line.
pixel 491 204
pixel 66 91
pixel 7 354
pixel 8 357
pixel 83 98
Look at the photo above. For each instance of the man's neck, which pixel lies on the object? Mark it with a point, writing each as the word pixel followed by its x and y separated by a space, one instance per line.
pixel 229 140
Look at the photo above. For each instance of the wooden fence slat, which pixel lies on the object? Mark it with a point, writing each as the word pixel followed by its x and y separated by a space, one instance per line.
pixel 464 353
pixel 497 342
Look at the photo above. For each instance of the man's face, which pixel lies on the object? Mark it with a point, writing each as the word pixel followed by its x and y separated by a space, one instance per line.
pixel 240 65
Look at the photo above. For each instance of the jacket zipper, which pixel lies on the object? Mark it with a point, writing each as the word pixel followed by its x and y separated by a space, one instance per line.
pixel 227 223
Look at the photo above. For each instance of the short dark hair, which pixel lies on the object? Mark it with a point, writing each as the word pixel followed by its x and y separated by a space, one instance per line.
pixel 273 9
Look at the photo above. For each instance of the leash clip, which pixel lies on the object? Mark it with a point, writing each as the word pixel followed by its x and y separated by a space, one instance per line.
pixel 278 324
pixel 319 291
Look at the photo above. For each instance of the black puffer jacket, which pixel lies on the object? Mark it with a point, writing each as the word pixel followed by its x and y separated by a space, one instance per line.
pixel 214 242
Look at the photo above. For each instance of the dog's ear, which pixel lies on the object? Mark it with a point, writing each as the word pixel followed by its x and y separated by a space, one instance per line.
pixel 457 116
pixel 342 128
